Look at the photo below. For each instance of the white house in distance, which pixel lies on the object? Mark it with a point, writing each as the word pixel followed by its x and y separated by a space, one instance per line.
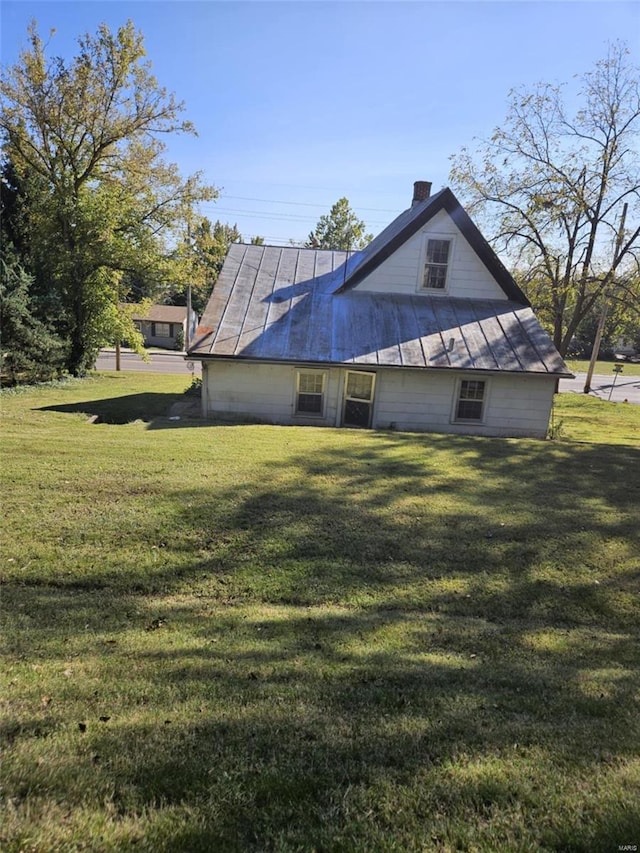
pixel 165 326
pixel 423 330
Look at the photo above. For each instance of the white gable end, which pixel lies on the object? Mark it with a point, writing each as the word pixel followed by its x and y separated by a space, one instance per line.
pixel 403 271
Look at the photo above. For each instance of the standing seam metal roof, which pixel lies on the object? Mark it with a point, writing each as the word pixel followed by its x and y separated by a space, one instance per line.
pixel 298 305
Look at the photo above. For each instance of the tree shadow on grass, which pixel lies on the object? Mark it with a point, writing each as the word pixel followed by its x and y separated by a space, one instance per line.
pixel 368 650
pixel 144 407
pixel 306 729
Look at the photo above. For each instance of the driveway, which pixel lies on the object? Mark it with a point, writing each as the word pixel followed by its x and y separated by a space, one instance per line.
pixel 626 388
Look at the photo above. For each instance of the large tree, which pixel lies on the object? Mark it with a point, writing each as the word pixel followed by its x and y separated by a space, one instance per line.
pixel 559 195
pixel 100 204
pixel 339 229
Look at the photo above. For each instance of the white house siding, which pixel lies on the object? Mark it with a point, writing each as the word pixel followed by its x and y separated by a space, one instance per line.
pixel 406 400
pixel 163 341
pixel 468 278
pixel 424 401
pixel 262 392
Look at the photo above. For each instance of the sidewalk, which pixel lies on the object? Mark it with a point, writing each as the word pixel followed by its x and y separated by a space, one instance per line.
pixel 149 350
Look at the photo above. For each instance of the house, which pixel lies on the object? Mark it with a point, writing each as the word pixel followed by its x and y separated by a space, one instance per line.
pixel 165 326
pixel 423 330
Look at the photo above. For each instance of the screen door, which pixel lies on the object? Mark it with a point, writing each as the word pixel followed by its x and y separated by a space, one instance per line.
pixel 358 399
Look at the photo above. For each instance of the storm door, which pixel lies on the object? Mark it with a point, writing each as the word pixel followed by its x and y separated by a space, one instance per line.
pixel 358 399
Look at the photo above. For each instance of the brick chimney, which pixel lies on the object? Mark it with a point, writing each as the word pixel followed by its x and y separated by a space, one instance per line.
pixel 421 191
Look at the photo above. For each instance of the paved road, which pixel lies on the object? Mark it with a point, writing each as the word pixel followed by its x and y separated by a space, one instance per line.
pixel 161 362
pixel 626 387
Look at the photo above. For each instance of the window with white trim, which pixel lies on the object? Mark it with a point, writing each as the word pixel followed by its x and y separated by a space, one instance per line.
pixel 310 391
pixel 436 263
pixel 470 402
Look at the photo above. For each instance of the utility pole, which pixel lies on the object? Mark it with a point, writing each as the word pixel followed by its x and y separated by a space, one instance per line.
pixel 187 337
pixel 605 308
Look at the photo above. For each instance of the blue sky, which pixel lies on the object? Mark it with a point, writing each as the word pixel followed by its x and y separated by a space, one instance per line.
pixel 299 103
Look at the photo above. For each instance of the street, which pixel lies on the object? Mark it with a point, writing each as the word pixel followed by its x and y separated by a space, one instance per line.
pixel 626 388
pixel 161 362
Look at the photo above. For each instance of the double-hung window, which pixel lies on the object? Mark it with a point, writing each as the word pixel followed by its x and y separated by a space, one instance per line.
pixel 310 391
pixel 471 399
pixel 436 264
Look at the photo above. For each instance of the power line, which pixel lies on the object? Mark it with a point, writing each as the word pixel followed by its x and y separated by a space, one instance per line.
pixel 273 216
pixel 301 203
pixel 222 181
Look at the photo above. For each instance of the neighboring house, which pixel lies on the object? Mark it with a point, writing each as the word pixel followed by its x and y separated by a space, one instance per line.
pixel 165 326
pixel 423 330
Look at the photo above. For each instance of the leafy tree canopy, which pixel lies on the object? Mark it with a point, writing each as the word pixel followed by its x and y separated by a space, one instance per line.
pixel 99 204
pixel 560 194
pixel 204 249
pixel 340 229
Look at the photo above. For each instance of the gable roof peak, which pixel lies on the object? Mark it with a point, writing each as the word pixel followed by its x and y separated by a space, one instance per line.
pixel 412 220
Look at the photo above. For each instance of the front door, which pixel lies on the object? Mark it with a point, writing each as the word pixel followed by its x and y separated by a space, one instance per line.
pixel 358 399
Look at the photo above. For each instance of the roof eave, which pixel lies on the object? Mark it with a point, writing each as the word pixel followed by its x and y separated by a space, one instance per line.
pixel 366 366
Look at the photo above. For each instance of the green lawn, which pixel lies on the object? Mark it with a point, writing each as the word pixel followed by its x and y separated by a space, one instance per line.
pixel 602 368
pixel 253 638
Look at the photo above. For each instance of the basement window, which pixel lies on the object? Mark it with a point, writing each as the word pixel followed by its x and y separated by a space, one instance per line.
pixel 470 402
pixel 310 392
pixel 436 264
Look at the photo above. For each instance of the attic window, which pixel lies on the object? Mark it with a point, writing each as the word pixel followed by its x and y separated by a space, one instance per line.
pixel 436 263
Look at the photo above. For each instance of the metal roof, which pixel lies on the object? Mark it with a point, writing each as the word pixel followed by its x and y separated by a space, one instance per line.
pixel 290 304
pixel 161 313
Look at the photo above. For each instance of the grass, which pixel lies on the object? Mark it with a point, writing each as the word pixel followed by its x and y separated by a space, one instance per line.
pixel 222 638
pixel 602 368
